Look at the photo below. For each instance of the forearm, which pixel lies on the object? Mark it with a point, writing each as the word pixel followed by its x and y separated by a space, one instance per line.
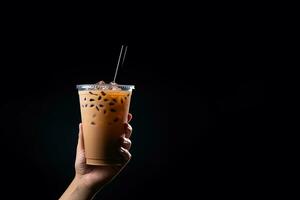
pixel 77 190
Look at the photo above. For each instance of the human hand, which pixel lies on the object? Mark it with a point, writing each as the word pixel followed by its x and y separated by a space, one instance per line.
pixel 89 178
pixel 96 176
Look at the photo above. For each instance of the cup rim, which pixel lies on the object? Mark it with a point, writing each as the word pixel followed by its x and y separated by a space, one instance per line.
pixel 102 86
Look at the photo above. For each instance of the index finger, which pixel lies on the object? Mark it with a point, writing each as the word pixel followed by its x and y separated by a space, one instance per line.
pixel 129 117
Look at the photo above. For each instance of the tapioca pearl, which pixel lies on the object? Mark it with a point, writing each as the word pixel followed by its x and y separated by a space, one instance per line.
pixel 92 105
pixel 93 123
pixel 103 93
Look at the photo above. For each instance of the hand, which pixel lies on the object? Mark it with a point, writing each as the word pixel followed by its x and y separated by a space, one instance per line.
pixel 96 176
pixel 89 178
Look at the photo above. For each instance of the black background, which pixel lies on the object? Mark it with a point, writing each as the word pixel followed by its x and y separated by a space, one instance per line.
pixel 198 108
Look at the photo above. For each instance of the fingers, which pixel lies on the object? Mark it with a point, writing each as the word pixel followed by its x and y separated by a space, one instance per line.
pixel 125 143
pixel 129 117
pixel 128 130
pixel 80 146
pixel 125 153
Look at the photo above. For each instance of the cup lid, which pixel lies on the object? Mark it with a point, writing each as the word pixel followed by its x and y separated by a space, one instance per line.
pixel 104 87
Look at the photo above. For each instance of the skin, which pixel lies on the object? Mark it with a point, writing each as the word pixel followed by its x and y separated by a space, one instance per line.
pixel 90 179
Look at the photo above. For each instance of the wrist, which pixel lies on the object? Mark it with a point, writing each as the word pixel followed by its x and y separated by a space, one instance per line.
pixel 83 181
pixel 79 190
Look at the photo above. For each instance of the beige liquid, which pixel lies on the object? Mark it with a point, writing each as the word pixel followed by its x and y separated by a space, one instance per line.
pixel 103 114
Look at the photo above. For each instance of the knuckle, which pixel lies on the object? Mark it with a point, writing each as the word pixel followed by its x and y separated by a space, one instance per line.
pixel 129 127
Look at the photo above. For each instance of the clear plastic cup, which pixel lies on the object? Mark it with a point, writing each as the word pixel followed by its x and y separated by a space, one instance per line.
pixel 104 110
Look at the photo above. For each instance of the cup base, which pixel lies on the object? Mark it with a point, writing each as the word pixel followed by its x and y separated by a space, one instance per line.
pixel 101 162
